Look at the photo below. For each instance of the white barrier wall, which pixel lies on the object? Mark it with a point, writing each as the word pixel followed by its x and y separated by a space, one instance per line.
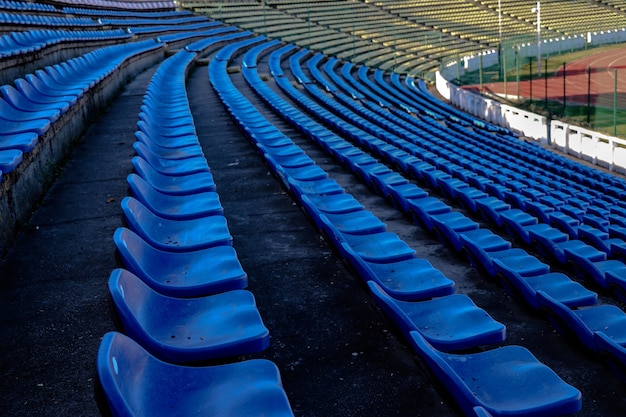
pixel 597 148
pixel 528 124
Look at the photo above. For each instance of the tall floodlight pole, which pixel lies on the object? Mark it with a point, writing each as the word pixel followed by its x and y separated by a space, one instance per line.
pixel 538 11
pixel 500 36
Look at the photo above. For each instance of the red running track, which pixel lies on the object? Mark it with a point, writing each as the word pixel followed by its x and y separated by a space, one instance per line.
pixel 601 84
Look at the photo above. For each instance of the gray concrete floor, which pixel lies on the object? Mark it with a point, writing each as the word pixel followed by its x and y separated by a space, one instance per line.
pixel 337 354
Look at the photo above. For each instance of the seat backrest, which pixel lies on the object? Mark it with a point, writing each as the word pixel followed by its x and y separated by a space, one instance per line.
pixel 132 297
pixel 388 304
pixel 13 97
pixel 137 254
pixel 140 189
pixel 564 319
pixel 436 362
pixel 122 366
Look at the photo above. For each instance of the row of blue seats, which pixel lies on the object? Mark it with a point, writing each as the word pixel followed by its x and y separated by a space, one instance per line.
pixel 446 166
pixel 125 13
pixel 165 28
pixel 598 238
pixel 556 167
pixel 381 257
pixel 551 209
pixel 398 157
pixel 181 36
pixel 529 152
pixel 31 107
pixel 519 272
pixel 419 89
pixel 20 43
pixel 122 5
pixel 24 19
pixel 26 5
pixel 188 310
pixel 152 21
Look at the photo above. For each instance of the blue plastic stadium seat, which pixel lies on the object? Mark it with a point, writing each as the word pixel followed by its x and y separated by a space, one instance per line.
pixel 572 211
pixel 178 115
pixel 517 200
pixel 449 186
pixel 552 201
pixel 23 103
pixel 175 235
pixel 552 243
pixel 589 265
pixel 565 223
pixel 382 247
pixel 288 159
pixel 317 187
pixel 508 381
pixel 46 96
pixel 616 281
pixel 135 383
pixel 175 207
pixel 617 230
pixel 481 246
pixel 178 185
pixel 490 209
pixel 448 226
pixel 175 167
pixel 184 330
pixel 613 247
pixel 584 322
pixel 25 142
pixel 433 177
pixel 422 209
pixel 525 276
pixel 334 203
pixel 39 121
pixel 409 279
pixel 367 170
pixel 467 197
pixel 305 173
pixel 417 170
pixel 539 210
pixel 596 221
pixel 42 84
pixel 449 323
pixel 360 222
pixel 381 181
pixel 613 353
pixel 154 138
pixel 516 222
pixel 10 159
pixel 400 194
pixel 181 274
pixel 148 150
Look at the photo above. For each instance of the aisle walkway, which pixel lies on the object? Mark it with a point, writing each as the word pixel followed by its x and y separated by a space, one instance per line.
pixel 53 294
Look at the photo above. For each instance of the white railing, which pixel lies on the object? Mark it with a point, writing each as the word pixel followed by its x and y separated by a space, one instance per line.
pixel 597 148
